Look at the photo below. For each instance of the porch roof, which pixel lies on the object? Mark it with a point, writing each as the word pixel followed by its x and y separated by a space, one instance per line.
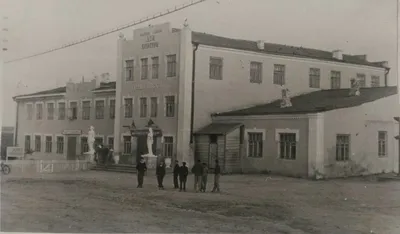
pixel 218 128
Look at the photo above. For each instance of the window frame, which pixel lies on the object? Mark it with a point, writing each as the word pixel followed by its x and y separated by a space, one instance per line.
pixel 373 81
pixel 171 65
pixel 363 79
pixel 143 107
pixel 155 67
pixel 144 68
pixel 154 110
pixel 383 142
pixel 58 151
pixel 38 147
pixel 29 114
pixel 256 72
pixel 86 109
pixel 314 78
pixel 129 70
pixel 216 70
pixel 48 145
pixel 247 133
pixel 99 114
pixel 171 105
pixel 111 110
pixel 37 115
pixel 126 113
pixel 126 144
pixel 168 147
pixel 336 80
pixel 279 74
pixel 343 158
pixel 61 115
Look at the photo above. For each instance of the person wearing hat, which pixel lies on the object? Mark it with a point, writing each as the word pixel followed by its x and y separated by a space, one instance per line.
pixel 141 169
pixel 176 174
pixel 183 174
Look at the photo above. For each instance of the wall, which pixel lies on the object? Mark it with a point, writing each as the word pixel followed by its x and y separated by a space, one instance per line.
pixel 232 160
pixel 362 123
pixel 235 91
pixel 270 161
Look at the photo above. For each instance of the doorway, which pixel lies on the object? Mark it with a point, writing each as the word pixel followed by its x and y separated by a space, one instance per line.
pixel 71 148
pixel 142 146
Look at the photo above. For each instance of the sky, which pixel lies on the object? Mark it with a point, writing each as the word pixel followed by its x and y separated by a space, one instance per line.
pixel 354 26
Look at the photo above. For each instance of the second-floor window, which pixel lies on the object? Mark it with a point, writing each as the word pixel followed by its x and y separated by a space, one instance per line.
pixel 61 110
pixel 29 111
pixel 73 110
pixel 112 108
pixel 153 106
pixel 279 74
pixel 100 109
pixel 256 72
pixel 50 111
pixel 375 81
pixel 145 68
pixel 315 74
pixel 335 80
pixel 170 106
pixel 171 65
pixel 143 107
pixel 361 78
pixel 39 111
pixel 216 66
pixel 154 67
pixel 128 102
pixel 129 70
pixel 86 110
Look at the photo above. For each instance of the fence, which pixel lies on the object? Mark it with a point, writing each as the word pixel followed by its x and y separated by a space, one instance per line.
pixel 47 166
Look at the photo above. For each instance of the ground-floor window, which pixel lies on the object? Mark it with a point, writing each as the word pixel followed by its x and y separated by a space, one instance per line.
pixel 168 146
pixel 287 146
pixel 382 143
pixel 110 142
pixel 38 143
pixel 49 144
pixel 84 145
pixel 60 145
pixel 27 143
pixel 98 140
pixel 127 145
pixel 342 147
pixel 255 144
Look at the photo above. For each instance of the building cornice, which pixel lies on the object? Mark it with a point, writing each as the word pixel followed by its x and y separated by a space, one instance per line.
pixel 39 96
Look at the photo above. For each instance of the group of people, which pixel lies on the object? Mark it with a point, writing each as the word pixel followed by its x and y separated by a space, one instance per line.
pixel 181 173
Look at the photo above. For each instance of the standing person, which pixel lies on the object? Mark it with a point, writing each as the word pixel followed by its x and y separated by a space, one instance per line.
pixel 183 174
pixel 204 176
pixel 176 174
pixel 160 172
pixel 197 170
pixel 141 169
pixel 217 175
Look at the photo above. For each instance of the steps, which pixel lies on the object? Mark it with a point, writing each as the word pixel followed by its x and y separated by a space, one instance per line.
pixel 116 168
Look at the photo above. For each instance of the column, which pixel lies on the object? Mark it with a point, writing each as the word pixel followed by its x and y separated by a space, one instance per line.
pixel 118 98
pixel 184 95
pixel 316 155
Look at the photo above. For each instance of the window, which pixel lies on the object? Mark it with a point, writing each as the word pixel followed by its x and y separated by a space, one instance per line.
pixel 110 142
pixel 171 65
pixel 154 67
pixel 382 143
pixel 279 74
pixel 375 81
pixel 73 110
pixel 49 144
pixel 84 145
pixel 335 80
pixel 287 146
pixel 216 65
pixel 256 72
pixel 61 110
pixel 128 107
pixel 29 111
pixel 315 75
pixel 50 111
pixel 342 147
pixel 145 68
pixel 38 143
pixel 112 108
pixel 213 139
pixel 153 106
pixel 100 109
pixel 143 107
pixel 127 145
pixel 60 145
pixel 170 106
pixel 98 141
pixel 39 111
pixel 361 78
pixel 129 70
pixel 27 143
pixel 86 110
pixel 255 144
pixel 168 146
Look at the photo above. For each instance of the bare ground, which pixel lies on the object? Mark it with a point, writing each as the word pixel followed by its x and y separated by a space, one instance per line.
pixel 109 202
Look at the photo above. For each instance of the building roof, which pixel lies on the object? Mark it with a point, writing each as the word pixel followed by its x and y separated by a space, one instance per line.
pixel 277 49
pixel 218 128
pixel 46 92
pixel 106 86
pixel 318 101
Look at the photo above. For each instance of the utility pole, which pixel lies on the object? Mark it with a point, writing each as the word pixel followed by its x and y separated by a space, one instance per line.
pixel 397 119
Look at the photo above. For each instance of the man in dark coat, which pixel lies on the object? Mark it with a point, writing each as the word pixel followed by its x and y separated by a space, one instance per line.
pixel 176 174
pixel 217 175
pixel 160 172
pixel 183 174
pixel 204 178
pixel 197 170
pixel 141 169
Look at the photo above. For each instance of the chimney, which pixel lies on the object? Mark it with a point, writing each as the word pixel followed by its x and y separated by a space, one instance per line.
pixel 260 44
pixel 337 54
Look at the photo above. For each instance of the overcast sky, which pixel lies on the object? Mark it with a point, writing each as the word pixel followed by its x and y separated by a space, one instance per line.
pixel 355 26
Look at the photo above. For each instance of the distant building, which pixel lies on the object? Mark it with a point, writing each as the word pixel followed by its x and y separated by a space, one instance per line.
pixel 7 139
pixel 179 79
